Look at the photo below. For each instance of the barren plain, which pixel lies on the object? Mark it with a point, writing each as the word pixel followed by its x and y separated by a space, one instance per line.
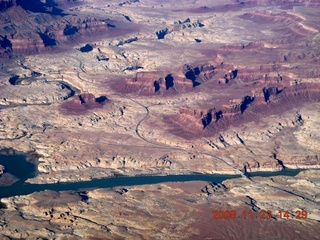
pixel 104 88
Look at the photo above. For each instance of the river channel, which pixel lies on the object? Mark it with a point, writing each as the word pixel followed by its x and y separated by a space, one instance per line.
pixel 18 166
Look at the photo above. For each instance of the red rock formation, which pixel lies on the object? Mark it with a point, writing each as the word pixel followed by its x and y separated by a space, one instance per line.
pixel 269 100
pixel 184 79
pixel 154 83
pixel 80 103
pixel 199 73
pixel 200 118
pixel 87 98
pixel 27 32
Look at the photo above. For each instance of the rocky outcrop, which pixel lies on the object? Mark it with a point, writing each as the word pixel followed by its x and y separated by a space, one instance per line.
pixel 126 41
pixel 162 33
pixel 129 2
pixel 214 188
pixel 187 24
pixel 271 91
pixel 41 32
pixel 230 76
pixel 82 102
pixel 192 74
pixel 200 119
pixel 214 117
pixel 266 101
pixel 199 73
pixel 2 168
pixel 154 83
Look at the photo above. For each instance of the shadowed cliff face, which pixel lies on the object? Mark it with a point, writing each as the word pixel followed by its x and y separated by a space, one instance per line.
pixel 5 4
pixel 244 104
pixel 83 102
pixel 38 6
pixel 70 30
pixel 31 27
pixel 192 74
pixel 169 81
pixel 244 88
pixel 47 40
pixel 5 43
pixel 272 91
pixel 240 111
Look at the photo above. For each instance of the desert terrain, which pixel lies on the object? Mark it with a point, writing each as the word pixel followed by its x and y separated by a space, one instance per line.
pixel 97 89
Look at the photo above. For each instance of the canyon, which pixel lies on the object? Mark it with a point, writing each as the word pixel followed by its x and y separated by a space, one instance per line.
pixel 145 87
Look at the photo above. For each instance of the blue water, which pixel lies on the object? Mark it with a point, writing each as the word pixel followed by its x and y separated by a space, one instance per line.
pixel 18 166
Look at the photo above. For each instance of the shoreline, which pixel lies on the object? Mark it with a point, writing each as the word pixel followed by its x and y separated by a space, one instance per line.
pixel 24 187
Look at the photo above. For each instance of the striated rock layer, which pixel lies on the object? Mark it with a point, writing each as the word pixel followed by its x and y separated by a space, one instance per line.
pixel 100 89
pixel 35 28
